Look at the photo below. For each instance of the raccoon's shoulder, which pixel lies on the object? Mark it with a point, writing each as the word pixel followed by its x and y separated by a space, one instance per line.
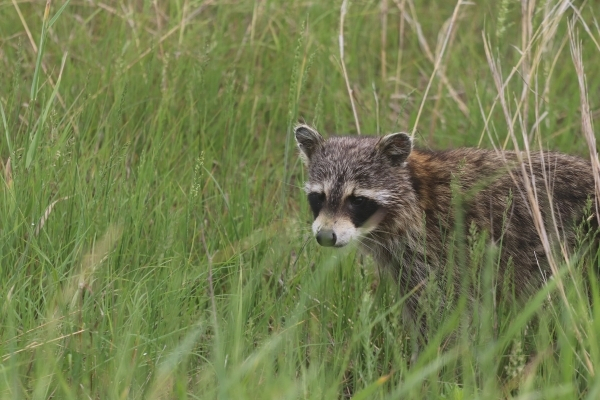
pixel 441 165
pixel 432 172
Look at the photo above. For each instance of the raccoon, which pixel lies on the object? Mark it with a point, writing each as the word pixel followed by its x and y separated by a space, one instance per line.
pixel 398 204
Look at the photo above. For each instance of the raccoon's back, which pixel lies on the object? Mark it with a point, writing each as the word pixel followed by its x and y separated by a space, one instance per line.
pixel 487 181
pixel 495 197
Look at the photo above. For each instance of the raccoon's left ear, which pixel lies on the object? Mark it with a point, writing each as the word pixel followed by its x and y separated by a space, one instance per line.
pixel 396 147
pixel 309 140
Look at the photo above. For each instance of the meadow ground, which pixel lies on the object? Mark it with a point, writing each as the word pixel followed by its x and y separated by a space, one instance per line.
pixel 154 239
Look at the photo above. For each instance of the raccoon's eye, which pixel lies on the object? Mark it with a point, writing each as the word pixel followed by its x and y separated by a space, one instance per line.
pixel 316 201
pixel 361 209
pixel 357 201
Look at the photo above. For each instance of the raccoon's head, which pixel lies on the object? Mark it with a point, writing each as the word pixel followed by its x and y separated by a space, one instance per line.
pixel 354 182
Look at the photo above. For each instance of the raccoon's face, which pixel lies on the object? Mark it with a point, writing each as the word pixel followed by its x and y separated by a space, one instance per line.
pixel 352 181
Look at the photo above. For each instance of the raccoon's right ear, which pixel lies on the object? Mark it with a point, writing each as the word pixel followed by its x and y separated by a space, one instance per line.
pixel 396 147
pixel 309 140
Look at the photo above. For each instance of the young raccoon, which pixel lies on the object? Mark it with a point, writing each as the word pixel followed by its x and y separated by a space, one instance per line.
pixel 397 203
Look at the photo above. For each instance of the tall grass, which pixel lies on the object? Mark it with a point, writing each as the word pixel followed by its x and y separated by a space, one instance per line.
pixel 154 242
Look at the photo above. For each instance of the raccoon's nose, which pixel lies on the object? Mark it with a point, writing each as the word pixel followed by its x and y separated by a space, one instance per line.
pixel 326 237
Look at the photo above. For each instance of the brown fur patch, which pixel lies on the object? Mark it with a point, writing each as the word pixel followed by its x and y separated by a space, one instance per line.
pixel 422 195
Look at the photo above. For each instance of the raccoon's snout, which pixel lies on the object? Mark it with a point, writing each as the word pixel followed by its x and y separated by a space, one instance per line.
pixel 326 237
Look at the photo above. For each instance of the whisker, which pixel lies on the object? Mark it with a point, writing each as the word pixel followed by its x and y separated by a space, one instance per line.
pixel 378 243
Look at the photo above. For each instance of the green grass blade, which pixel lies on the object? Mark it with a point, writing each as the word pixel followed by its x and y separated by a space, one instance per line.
pixel 6 130
pixel 58 13
pixel 40 126
pixel 369 391
pixel 40 52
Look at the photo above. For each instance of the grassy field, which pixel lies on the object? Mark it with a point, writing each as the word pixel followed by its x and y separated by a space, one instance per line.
pixel 154 239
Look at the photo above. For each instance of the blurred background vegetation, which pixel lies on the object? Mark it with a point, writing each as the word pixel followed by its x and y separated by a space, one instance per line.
pixel 154 240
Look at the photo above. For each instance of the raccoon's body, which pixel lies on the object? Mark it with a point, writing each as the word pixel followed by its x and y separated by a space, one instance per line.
pixel 399 203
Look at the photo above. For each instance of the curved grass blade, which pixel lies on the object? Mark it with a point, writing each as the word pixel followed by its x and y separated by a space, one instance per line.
pixel 40 126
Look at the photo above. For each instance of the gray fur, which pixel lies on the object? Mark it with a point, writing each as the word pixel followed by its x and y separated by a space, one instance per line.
pixel 417 189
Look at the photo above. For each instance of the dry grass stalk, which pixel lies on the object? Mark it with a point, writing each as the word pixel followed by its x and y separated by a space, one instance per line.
pixel 164 37
pixel 35 48
pixel 414 23
pixel 384 24
pixel 343 11
pixel 586 27
pixel 8 174
pixel 515 116
pixel 33 345
pixel 527 10
pixel 47 213
pixel 90 262
pixel 438 61
pixel 400 5
pixel 547 31
pixel 586 116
